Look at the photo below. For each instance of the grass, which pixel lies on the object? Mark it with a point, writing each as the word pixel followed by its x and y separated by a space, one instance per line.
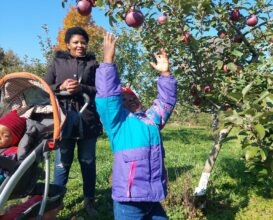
pixel 233 193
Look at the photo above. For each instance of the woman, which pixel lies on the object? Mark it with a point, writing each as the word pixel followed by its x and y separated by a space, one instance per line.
pixel 139 179
pixel 73 71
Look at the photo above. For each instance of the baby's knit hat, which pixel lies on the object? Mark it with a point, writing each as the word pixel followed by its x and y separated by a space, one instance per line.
pixel 16 124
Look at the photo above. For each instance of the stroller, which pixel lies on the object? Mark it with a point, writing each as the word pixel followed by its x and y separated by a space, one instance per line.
pixel 32 97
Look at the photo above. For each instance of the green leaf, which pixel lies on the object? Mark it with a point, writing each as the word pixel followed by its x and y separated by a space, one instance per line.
pixel 247 89
pixel 263 154
pixel 235 119
pixel 262 96
pixel 234 96
pixel 260 130
pixel 251 152
pixel 237 53
pixel 233 67
pixel 99 3
pixel 220 64
pixel 112 20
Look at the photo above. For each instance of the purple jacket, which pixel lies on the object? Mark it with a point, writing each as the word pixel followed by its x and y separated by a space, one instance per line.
pixel 138 171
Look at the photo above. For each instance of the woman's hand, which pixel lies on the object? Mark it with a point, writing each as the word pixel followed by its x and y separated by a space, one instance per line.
pixel 70 85
pixel 109 45
pixel 162 61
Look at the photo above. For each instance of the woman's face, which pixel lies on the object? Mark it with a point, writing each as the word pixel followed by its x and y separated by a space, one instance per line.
pixel 77 46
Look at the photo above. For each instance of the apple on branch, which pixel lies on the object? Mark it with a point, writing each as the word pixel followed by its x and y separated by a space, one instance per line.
pixel 162 19
pixel 194 90
pixel 237 39
pixel 252 20
pixel 207 89
pixel 225 68
pixel 134 18
pixel 84 7
pixel 186 37
pixel 222 34
pixel 235 15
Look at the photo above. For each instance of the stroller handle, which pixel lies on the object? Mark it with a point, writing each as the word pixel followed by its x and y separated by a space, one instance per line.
pixel 84 95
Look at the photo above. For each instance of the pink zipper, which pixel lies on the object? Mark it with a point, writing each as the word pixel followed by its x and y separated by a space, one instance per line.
pixel 131 177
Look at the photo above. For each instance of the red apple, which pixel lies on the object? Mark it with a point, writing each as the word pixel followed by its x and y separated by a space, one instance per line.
pixel 235 15
pixel 237 39
pixel 194 90
pixel 162 19
pixel 134 18
pixel 207 89
pixel 84 7
pixel 252 20
pixel 186 37
pixel 225 68
pixel 222 34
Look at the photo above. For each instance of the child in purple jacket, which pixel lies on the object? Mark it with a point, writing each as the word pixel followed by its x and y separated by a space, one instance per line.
pixel 139 180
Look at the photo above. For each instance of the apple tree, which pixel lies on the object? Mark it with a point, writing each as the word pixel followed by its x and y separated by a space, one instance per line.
pixel 221 55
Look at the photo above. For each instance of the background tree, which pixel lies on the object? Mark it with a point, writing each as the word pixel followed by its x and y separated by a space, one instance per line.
pixel 9 62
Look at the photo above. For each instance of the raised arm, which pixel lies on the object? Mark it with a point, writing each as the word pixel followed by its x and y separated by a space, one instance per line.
pixel 167 88
pixel 108 97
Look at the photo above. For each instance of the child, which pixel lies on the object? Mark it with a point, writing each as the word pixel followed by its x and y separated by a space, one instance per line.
pixel 12 129
pixel 139 179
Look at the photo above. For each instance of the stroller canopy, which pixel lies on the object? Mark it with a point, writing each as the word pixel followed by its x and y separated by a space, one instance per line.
pixel 30 94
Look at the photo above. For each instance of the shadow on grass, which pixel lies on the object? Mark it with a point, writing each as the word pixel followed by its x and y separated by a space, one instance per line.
pixel 175 172
pixel 186 135
pixel 104 207
pixel 225 200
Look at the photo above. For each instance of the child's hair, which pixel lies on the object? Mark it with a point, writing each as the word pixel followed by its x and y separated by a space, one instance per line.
pixel 16 125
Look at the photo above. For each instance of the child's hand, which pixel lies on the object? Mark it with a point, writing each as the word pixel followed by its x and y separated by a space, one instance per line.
pixel 109 45
pixel 162 63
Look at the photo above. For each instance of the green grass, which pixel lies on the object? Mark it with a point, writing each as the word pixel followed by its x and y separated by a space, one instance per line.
pixel 233 193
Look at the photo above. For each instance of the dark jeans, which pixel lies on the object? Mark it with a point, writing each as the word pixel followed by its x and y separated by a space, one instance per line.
pixel 139 211
pixel 87 159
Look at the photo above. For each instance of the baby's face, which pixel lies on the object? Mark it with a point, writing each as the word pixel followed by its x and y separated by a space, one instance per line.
pixel 5 136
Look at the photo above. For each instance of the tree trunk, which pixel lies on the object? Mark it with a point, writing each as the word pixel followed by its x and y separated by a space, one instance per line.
pixel 203 182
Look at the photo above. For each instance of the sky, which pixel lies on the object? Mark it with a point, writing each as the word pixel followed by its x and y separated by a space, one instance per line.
pixel 21 23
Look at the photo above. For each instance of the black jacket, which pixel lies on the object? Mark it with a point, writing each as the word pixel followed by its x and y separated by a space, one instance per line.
pixel 82 69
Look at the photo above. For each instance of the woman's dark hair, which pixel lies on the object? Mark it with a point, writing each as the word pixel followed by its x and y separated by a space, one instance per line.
pixel 75 30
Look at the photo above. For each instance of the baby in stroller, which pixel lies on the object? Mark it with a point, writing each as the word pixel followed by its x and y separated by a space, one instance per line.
pixel 12 128
pixel 28 133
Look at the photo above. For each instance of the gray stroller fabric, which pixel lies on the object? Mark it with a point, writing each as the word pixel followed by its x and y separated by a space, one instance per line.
pixel 35 132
